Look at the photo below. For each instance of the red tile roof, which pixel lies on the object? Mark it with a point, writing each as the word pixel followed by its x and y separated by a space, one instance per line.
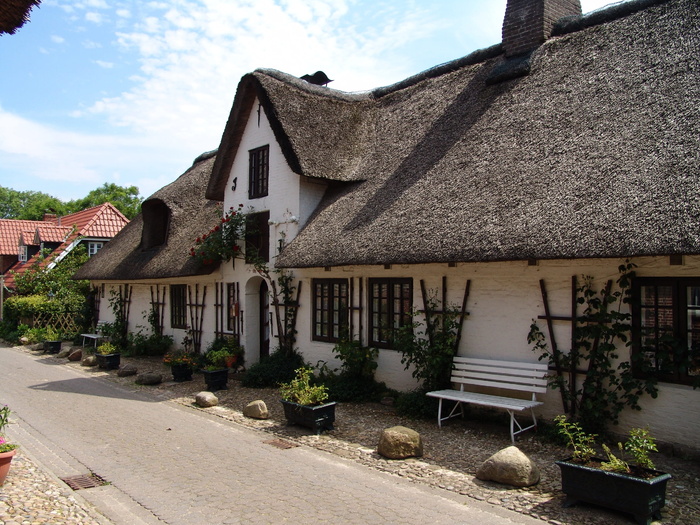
pixel 100 222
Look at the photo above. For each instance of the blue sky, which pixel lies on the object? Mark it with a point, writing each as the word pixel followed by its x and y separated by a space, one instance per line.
pixel 131 91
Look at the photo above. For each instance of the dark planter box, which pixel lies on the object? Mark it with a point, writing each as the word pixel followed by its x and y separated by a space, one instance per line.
pixel 644 498
pixel 181 373
pixel 52 347
pixel 317 418
pixel 108 361
pixel 216 379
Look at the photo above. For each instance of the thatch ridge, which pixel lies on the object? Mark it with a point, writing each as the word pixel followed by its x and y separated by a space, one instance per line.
pixel 571 24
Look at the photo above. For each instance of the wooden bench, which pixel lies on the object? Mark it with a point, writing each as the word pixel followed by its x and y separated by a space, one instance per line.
pixel 500 375
pixel 98 335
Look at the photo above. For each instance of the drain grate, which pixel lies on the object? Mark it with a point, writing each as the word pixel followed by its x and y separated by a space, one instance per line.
pixel 281 443
pixel 84 481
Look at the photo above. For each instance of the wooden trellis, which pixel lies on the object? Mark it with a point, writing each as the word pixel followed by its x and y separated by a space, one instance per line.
pixel 196 310
pixel 557 366
pixel 158 306
pixel 443 312
pixel 228 314
pixel 286 330
pixel 64 323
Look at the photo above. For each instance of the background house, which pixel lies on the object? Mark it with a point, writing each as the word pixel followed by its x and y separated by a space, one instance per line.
pixel 562 152
pixel 22 243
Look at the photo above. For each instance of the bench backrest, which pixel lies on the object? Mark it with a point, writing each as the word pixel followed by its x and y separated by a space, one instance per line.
pixel 510 375
pixel 100 327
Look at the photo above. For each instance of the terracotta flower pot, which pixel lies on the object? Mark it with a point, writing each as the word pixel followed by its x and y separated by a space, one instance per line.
pixel 5 460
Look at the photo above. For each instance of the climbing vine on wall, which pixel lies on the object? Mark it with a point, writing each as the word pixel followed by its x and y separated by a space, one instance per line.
pixel 600 330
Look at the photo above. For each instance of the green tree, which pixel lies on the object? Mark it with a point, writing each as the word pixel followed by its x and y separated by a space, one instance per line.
pixel 125 199
pixel 28 205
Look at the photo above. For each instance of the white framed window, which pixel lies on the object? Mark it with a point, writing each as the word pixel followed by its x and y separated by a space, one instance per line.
pixel 22 257
pixel 94 247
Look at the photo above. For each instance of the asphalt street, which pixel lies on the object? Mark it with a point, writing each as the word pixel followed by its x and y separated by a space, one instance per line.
pixel 166 463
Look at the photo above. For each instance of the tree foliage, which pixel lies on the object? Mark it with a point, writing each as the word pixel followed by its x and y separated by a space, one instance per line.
pixel 125 199
pixel 28 205
pixel 32 205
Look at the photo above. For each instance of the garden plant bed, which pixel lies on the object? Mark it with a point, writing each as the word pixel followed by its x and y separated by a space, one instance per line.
pixel 452 454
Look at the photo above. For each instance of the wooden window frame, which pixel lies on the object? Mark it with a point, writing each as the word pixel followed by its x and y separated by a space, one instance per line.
pixel 178 306
pixel 257 237
pixel 382 309
pixel 330 318
pixel 649 360
pixel 258 172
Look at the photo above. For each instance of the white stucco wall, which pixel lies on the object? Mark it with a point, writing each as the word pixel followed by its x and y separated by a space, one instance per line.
pixel 504 299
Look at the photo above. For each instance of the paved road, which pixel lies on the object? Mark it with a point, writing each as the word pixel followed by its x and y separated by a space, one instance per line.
pixel 171 464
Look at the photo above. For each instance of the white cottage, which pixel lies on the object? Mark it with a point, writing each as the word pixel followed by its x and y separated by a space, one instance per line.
pixel 494 180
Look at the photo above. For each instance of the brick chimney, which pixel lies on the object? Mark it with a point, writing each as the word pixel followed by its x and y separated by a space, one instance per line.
pixel 528 23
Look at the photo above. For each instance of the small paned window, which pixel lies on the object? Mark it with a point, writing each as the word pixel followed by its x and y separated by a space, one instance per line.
pixel 390 308
pixel 330 309
pixel 258 175
pixel 22 257
pixel 666 328
pixel 178 305
pixel 94 247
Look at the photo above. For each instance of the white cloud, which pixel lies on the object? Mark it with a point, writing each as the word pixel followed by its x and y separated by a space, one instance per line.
pixel 105 65
pixel 57 39
pixel 93 17
pixel 69 164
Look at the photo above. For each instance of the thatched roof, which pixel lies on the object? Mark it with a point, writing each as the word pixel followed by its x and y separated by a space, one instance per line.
pixel 594 153
pixel 14 14
pixel 125 258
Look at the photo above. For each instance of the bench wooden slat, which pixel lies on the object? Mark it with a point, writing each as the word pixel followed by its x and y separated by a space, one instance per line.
pixel 486 399
pixel 494 362
pixel 503 381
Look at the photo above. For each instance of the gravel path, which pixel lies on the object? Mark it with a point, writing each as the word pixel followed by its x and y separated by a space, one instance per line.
pixel 451 457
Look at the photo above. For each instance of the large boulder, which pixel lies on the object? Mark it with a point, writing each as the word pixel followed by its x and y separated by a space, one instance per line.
pixel 256 409
pixel 510 466
pixel 149 378
pixel 75 355
pixel 89 360
pixel 127 370
pixel 206 399
pixel 399 443
pixel 65 352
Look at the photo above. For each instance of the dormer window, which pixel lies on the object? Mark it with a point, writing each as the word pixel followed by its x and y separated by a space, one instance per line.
pixel 156 220
pixel 94 247
pixel 22 257
pixel 258 172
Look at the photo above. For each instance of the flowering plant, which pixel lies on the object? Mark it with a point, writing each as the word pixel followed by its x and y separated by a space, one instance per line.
pixel 180 357
pixel 4 419
pixel 220 244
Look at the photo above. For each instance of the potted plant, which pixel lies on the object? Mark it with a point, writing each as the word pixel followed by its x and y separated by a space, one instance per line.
pixel 52 341
pixel 182 364
pixel 108 356
pixel 305 404
pixel 637 489
pixel 7 450
pixel 215 371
